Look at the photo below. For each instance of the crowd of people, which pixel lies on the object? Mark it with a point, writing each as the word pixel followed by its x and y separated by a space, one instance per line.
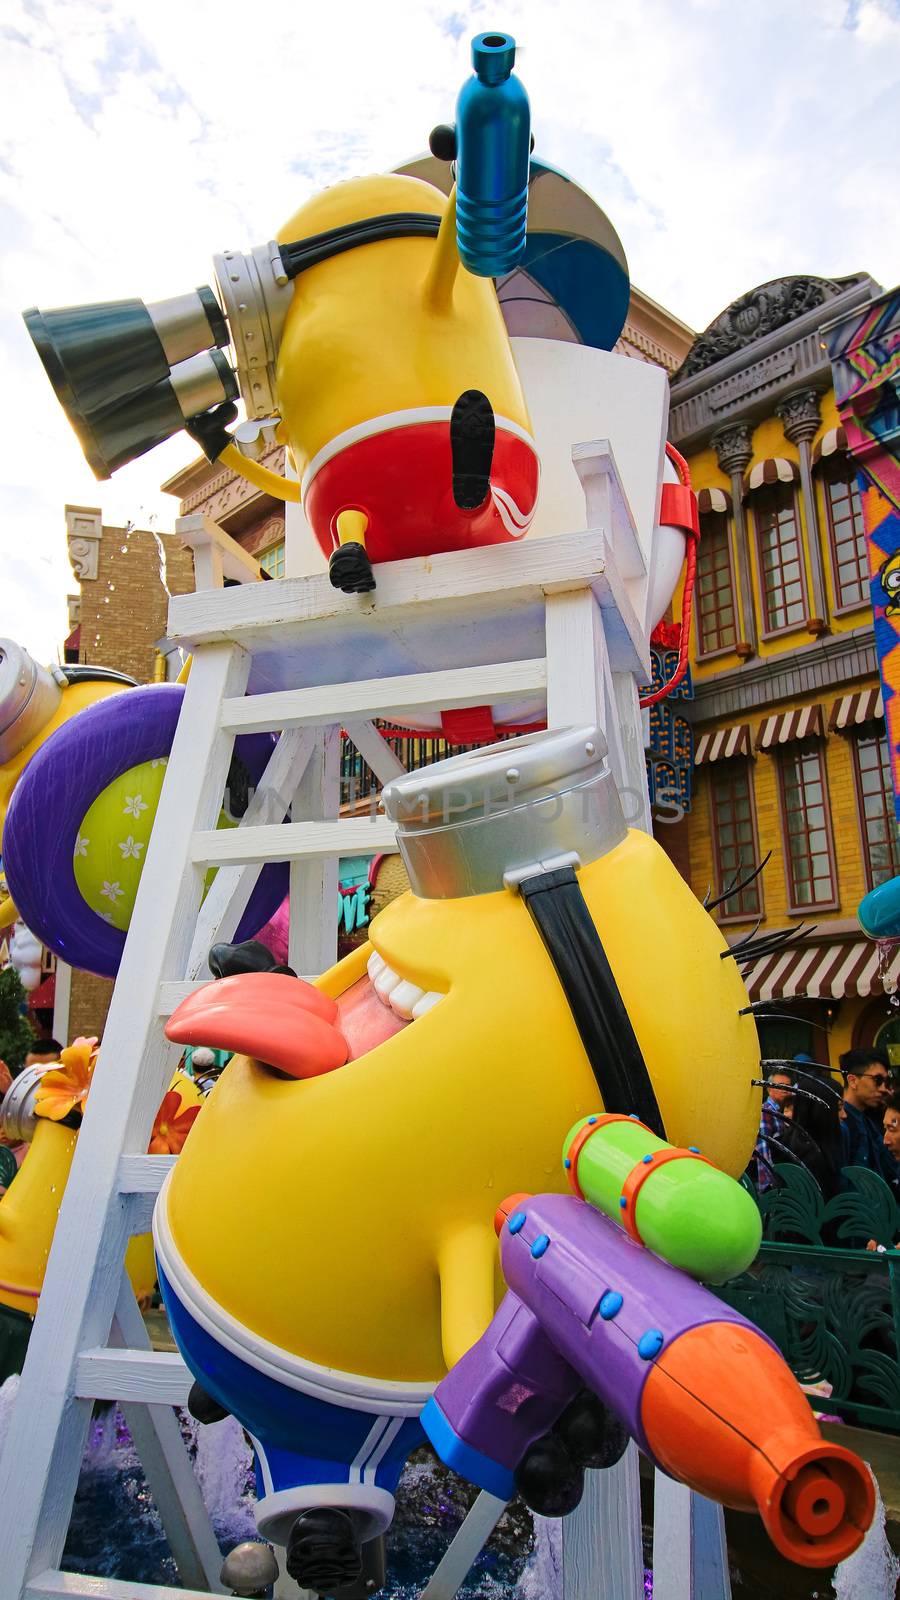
pixel 808 1118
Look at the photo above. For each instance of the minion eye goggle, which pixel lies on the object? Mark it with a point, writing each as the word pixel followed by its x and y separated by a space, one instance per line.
pixel 129 375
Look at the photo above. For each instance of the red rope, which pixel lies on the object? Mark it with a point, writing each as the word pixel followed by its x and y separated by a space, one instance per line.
pixel 687 599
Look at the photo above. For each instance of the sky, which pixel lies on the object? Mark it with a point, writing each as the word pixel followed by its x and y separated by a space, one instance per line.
pixel 728 144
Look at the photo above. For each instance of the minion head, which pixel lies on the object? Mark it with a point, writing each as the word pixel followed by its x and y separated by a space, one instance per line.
pixel 889 578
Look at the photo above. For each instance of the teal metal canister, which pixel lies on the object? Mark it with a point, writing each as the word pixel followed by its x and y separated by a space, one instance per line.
pixel 493 141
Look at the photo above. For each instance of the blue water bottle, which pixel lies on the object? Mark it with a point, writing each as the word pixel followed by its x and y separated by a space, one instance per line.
pixel 493 133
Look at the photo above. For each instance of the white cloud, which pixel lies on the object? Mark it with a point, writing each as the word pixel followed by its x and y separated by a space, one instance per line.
pixel 728 145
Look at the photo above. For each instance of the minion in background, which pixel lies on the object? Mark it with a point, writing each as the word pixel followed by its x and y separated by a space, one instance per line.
pixel 34 702
pixel 889 578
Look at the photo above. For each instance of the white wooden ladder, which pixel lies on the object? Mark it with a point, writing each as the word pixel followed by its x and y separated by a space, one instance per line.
pixel 547 620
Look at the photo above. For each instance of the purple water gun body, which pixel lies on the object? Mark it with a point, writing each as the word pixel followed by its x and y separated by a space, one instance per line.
pixel 703 1392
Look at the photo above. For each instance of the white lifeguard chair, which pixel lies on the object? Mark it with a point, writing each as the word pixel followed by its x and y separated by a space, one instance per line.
pixel 560 622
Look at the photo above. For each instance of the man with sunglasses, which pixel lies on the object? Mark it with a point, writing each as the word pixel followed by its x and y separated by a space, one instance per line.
pixel 866 1075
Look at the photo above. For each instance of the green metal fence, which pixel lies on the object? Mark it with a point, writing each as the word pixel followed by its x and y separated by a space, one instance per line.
pixel 830 1305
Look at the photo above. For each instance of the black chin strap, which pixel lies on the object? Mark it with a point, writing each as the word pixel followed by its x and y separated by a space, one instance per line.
pixel 559 913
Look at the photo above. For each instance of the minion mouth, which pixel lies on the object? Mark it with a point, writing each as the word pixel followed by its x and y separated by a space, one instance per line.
pixel 405 999
pixel 379 1005
pixel 288 1025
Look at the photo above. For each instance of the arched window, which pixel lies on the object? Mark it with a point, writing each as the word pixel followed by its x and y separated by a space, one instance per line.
pixel 847 533
pixel 806 826
pixel 735 847
pixel 716 603
pixel 771 486
pixel 875 799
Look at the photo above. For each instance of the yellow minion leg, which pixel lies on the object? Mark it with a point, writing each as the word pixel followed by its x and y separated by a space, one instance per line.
pixel 261 477
pixel 351 527
pixel 445 263
pixel 466 1264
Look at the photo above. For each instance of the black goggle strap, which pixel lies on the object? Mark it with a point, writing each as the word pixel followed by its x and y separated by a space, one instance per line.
pixel 305 253
pixel 558 910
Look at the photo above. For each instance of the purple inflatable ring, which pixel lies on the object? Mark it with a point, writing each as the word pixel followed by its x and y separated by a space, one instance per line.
pixel 53 795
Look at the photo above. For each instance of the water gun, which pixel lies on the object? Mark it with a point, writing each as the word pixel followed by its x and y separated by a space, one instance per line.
pixel 704 1393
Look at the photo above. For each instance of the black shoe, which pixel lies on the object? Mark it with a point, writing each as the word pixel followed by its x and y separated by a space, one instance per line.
pixel 350 569
pixel 592 1434
pixel 323 1552
pixel 203 1408
pixel 547 1478
pixel 373 1576
pixel 472 449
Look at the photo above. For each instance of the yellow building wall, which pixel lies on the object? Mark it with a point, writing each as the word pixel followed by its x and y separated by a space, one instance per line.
pixel 764 776
pixel 851 1020
pixel 851 881
pixel 769 439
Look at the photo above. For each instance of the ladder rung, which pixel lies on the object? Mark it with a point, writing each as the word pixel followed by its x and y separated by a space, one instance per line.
pixel 385 697
pixel 53 1585
pixel 143 1174
pixel 155 1377
pixel 445 588
pixel 140 1180
pixel 171 993
pixel 294 841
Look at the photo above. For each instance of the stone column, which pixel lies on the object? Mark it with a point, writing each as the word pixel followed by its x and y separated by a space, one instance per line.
pixel 734 448
pixel 800 418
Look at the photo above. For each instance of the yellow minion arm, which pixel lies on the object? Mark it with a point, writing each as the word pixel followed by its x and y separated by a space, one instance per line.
pixel 261 477
pixel 445 263
pixel 466 1265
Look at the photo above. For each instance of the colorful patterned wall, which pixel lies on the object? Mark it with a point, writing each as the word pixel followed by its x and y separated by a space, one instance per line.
pixel 864 349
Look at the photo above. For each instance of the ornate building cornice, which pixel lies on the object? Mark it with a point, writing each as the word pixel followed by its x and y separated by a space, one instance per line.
pixel 647 349
pixel 756 313
pixel 223 494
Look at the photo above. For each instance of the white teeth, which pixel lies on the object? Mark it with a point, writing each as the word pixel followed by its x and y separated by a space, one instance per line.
pixel 385 981
pixel 404 998
pixel 425 1004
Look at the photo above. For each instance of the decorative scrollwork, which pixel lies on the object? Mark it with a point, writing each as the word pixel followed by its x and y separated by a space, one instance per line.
pixel 795 1209
pixel 865 1210
pixel 754 314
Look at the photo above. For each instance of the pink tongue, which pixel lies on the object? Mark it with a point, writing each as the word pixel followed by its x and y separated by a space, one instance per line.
pixel 364 1020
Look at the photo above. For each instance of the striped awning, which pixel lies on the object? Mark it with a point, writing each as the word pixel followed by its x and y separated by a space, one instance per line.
pixel 822 971
pixel 829 444
pixel 804 723
pixel 713 500
pixel 854 709
pixel 775 469
pixel 722 744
